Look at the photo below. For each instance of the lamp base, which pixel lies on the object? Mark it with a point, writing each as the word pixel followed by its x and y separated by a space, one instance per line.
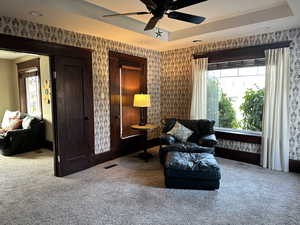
pixel 143 117
pixel 142 123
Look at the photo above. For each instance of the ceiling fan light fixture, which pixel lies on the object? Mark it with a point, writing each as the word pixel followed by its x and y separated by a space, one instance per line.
pixel 160 8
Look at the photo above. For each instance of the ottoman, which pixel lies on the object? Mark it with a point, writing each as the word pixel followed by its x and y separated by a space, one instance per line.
pixel 183 147
pixel 192 171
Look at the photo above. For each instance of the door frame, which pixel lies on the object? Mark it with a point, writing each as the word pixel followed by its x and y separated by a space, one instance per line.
pixel 26 45
pixel 133 61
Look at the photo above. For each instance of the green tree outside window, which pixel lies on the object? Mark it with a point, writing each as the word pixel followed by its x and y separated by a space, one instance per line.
pixel 227 115
pixel 252 109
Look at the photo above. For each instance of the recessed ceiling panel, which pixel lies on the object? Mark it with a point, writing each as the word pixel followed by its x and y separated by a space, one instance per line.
pixel 212 9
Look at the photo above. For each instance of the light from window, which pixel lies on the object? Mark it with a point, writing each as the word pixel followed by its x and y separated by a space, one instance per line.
pixel 235 97
pixel 33 96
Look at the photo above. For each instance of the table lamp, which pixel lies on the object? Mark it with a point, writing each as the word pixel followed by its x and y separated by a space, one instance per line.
pixel 142 101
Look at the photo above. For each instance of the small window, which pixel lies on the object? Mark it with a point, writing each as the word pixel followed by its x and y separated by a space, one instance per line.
pixel 235 95
pixel 33 96
pixel 30 88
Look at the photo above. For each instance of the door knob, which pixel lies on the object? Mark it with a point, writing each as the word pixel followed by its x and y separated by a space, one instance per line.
pixel 117 117
pixel 86 118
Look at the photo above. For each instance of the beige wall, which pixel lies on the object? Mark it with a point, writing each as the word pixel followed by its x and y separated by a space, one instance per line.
pixel 45 75
pixel 8 87
pixel 47 108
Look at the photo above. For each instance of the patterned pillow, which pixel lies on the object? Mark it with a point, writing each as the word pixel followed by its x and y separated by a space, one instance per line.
pixel 7 116
pixel 180 132
pixel 14 124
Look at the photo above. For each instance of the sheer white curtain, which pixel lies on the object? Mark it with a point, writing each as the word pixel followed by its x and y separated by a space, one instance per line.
pixel 199 96
pixel 275 154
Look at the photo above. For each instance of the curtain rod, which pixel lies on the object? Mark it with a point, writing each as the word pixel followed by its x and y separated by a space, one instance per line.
pixel 238 60
pixel 252 52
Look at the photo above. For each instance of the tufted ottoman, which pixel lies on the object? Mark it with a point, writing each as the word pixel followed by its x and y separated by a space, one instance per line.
pixel 192 171
pixel 183 147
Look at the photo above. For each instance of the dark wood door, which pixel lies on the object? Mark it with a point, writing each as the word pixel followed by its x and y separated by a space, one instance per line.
pixel 128 76
pixel 74 146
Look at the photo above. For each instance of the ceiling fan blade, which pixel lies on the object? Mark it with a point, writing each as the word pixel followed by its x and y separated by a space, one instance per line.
pixel 150 4
pixel 186 17
pixel 184 3
pixel 127 14
pixel 152 23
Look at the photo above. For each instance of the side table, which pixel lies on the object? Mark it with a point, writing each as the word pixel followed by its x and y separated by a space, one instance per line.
pixel 144 155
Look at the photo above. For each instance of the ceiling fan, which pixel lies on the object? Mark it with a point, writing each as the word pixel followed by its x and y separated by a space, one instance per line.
pixel 159 8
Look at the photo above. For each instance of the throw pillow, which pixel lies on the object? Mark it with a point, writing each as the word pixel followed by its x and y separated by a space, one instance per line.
pixel 8 115
pixel 14 124
pixel 180 132
pixel 26 122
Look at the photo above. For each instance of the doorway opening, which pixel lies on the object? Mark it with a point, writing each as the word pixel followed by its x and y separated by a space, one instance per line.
pixel 72 100
pixel 26 129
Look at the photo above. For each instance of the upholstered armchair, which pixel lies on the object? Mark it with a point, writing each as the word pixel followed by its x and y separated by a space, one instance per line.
pixel 23 140
pixel 202 140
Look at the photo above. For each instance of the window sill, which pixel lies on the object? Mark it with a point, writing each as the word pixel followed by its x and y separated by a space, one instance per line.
pixel 239 135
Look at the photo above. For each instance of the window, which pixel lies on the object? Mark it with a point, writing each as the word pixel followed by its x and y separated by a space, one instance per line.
pixel 235 92
pixel 29 87
pixel 33 97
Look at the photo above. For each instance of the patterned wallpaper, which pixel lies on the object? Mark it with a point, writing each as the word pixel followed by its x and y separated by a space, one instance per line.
pixel 22 28
pixel 240 146
pixel 169 75
pixel 176 82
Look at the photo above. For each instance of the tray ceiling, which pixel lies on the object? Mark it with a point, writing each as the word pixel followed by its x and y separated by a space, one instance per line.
pixel 212 9
pixel 225 19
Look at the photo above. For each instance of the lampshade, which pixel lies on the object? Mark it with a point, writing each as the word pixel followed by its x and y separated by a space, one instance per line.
pixel 141 100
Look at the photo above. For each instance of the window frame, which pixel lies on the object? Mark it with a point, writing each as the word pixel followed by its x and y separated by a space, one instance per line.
pixel 26 69
pixel 253 137
pixel 233 130
pixel 235 54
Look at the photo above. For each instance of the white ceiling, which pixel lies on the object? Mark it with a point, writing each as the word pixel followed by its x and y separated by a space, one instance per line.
pixel 225 19
pixel 212 9
pixel 12 55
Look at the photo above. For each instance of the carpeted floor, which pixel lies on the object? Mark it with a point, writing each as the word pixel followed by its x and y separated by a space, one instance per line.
pixel 133 193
